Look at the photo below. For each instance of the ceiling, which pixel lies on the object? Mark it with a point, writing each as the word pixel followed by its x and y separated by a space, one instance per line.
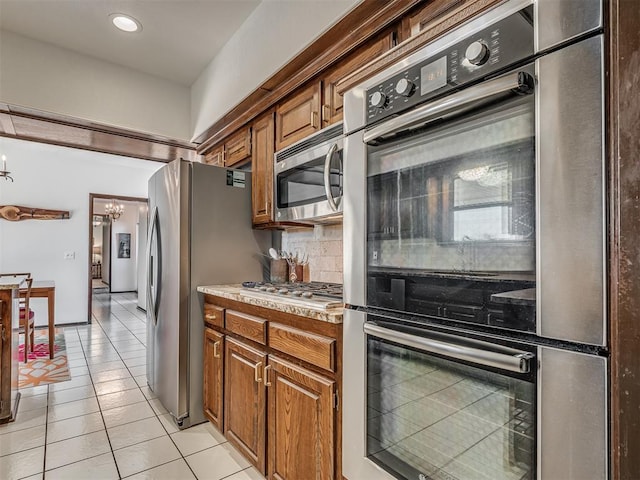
pixel 178 39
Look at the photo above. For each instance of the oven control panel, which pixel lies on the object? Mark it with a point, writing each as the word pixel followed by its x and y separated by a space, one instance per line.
pixel 487 51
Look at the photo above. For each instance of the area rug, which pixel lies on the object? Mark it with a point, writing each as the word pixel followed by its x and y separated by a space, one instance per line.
pixel 40 369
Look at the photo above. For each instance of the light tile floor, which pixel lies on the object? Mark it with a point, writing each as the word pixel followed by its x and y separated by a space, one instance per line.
pixel 105 423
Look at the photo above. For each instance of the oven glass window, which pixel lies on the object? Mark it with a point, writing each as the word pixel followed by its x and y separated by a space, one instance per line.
pixel 304 184
pixel 431 418
pixel 451 219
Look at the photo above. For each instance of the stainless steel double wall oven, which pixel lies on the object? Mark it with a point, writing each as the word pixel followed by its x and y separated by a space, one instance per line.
pixel 475 254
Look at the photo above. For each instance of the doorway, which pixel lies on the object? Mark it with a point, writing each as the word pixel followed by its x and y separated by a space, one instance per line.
pixel 117 236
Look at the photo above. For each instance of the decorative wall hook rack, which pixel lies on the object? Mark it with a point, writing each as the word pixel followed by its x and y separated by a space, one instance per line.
pixel 15 213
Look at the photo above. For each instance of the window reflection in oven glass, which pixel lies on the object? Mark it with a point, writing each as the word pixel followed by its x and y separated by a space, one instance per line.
pixel 430 418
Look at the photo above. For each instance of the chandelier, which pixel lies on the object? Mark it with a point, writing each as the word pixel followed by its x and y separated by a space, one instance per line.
pixel 114 210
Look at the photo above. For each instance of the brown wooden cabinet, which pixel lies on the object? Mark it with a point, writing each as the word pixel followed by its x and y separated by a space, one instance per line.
pixel 245 401
pixel 263 148
pixel 301 422
pixel 331 99
pixel 237 148
pixel 213 385
pixel 299 115
pixel 281 379
pixel 215 156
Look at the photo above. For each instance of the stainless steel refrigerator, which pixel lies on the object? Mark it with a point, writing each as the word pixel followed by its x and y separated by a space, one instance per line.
pixel 199 234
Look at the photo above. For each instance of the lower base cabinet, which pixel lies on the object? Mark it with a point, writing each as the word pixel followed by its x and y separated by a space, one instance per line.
pixel 281 415
pixel 213 385
pixel 301 423
pixel 245 401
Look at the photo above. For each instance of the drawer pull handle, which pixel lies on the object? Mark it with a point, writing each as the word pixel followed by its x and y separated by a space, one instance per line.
pixel 267 383
pixel 216 349
pixel 210 316
pixel 256 372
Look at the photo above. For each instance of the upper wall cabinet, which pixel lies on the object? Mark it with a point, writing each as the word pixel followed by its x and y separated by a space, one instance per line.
pixel 262 169
pixel 433 12
pixel 318 104
pixel 331 99
pixel 298 116
pixel 215 156
pixel 235 150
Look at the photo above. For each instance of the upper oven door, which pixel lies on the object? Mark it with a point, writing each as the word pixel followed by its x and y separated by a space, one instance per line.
pixel 308 185
pixel 451 225
pixel 486 206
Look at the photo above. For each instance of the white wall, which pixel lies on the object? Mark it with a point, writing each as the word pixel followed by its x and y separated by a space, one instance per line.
pixel 45 77
pixel 124 276
pixel 273 34
pixel 60 178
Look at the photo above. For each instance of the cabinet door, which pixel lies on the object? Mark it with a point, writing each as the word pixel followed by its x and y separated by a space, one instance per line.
pixel 263 148
pixel 331 100
pixel 298 116
pixel 215 156
pixel 213 376
pixel 301 423
pixel 237 148
pixel 244 401
pixel 433 12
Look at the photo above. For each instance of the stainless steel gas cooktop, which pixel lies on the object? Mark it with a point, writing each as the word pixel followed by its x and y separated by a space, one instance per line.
pixel 325 295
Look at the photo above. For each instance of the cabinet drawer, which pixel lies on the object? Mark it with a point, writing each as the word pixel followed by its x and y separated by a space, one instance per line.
pixel 314 349
pixel 213 316
pixel 253 328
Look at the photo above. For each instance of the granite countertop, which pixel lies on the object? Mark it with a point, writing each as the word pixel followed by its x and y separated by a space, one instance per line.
pixel 295 306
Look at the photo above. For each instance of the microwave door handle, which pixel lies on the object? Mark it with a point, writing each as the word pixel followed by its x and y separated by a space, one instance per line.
pixel 520 83
pixel 327 177
pixel 509 359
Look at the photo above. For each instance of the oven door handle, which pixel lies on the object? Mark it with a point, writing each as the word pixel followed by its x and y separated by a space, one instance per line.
pixel 487 354
pixel 327 177
pixel 521 83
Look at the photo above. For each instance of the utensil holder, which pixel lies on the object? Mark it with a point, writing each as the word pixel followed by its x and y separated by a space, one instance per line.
pixel 279 271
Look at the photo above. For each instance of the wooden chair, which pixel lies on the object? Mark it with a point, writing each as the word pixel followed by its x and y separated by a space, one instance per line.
pixel 27 324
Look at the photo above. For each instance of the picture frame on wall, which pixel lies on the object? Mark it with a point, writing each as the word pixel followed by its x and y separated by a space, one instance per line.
pixel 124 245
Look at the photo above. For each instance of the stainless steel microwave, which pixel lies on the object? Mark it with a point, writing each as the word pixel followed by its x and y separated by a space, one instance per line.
pixel 308 179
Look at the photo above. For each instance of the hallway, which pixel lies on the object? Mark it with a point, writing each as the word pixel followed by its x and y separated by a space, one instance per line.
pixel 105 423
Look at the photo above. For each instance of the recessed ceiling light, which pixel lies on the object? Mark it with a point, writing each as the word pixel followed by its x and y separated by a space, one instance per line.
pixel 125 23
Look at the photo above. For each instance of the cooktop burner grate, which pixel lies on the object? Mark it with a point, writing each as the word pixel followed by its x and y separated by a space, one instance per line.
pixel 300 289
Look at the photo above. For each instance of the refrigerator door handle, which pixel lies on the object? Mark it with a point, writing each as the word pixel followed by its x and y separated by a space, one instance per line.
pixel 153 275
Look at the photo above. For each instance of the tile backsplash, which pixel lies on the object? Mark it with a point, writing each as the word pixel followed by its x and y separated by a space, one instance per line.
pixel 323 244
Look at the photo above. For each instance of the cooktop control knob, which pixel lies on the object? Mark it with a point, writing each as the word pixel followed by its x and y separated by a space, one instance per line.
pixel 271 289
pixel 477 53
pixel 405 87
pixel 296 293
pixel 378 100
pixel 283 291
pixel 307 294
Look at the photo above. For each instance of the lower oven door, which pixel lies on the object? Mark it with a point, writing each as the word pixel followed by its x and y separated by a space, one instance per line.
pixel 441 407
pixel 446 406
